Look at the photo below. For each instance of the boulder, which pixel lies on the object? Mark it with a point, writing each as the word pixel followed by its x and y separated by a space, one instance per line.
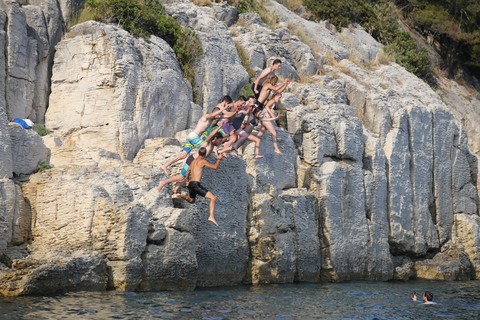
pixel 451 264
pixel 48 270
pixel 28 149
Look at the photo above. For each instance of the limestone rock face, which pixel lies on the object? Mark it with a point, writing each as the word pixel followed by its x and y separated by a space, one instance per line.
pixel 466 236
pixel 15 218
pixel 27 149
pixel 363 47
pixel 452 264
pixel 218 72
pixel 36 272
pixel 320 37
pixel 32 31
pixel 111 115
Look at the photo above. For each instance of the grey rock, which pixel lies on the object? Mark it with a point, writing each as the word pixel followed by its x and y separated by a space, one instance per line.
pixel 363 47
pixel 28 149
pixel 404 268
pixel 218 72
pixel 224 12
pixel 50 270
pixel 452 264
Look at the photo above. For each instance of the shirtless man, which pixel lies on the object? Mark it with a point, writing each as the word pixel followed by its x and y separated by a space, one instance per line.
pixel 214 139
pixel 194 186
pixel 268 87
pixel 193 138
pixel 258 84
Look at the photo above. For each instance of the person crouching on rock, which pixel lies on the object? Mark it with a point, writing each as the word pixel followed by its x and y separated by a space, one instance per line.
pixel 194 187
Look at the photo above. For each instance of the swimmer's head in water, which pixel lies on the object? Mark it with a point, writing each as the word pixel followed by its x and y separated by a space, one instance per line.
pixel 428 295
pixel 272 79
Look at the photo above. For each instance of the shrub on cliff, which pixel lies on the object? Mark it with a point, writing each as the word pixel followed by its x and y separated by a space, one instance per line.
pixel 43 165
pixel 380 20
pixel 41 130
pixel 146 17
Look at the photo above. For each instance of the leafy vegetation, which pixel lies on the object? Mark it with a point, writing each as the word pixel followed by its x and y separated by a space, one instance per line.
pixel 41 130
pixel 146 17
pixel 380 20
pixel 43 165
pixel 454 26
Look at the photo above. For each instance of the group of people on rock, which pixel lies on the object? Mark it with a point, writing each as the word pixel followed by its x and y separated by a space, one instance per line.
pixel 229 124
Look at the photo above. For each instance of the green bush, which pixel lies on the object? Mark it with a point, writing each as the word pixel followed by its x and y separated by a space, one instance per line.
pixel 43 165
pixel 247 90
pixel 146 17
pixel 41 130
pixel 381 22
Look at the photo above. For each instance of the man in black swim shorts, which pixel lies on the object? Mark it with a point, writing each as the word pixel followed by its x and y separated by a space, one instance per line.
pixel 194 187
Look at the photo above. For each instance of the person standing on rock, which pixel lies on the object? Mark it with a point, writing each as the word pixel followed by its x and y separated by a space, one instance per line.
pixel 194 187
pixel 258 84
pixel 268 87
pixel 214 139
pixel 193 138
pixel 272 105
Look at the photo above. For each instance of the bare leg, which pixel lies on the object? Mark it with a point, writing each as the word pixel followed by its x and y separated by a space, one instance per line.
pixel 257 146
pixel 212 199
pixel 178 185
pixel 242 137
pixel 261 132
pixel 269 126
pixel 174 178
pixel 181 156
pixel 178 195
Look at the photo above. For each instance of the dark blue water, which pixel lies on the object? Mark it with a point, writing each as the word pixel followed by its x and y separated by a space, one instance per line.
pixel 349 300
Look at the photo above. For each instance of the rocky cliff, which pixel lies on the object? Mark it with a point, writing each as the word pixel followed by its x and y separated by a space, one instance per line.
pixel 378 181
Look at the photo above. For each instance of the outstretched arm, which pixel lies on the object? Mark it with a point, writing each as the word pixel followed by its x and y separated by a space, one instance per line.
pixel 280 87
pixel 215 113
pixel 274 118
pixel 280 107
pixel 213 166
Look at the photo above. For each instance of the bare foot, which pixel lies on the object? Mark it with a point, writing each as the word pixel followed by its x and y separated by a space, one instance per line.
pixel 213 220
pixel 258 156
pixel 160 186
pixel 164 169
pixel 224 154
pixel 278 151
pixel 175 195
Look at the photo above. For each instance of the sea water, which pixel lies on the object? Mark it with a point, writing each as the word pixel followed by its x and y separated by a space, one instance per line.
pixel 347 300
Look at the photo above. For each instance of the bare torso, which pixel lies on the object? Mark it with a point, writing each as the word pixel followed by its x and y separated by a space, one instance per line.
pixel 196 169
pixel 202 125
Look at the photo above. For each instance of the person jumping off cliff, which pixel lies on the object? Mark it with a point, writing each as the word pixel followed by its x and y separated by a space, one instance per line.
pixel 258 84
pixel 194 187
pixel 193 138
pixel 214 139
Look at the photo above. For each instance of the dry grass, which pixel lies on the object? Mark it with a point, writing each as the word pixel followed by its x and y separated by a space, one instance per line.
pixel 202 3
pixel 383 58
pixel 82 16
pixel 292 5
pixel 245 61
